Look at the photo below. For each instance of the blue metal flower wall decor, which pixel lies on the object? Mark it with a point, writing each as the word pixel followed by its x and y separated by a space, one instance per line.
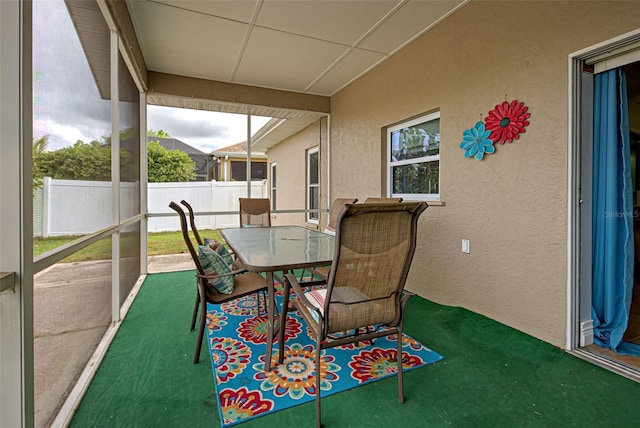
pixel 476 142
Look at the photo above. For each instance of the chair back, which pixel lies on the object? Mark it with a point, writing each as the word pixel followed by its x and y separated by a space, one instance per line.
pixel 255 212
pixel 192 221
pixel 382 200
pixel 374 247
pixel 187 238
pixel 336 207
pixel 248 283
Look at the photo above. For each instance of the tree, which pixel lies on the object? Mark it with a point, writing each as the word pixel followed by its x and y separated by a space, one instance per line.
pixel 82 161
pixel 38 148
pixel 169 165
pixel 159 133
pixel 92 161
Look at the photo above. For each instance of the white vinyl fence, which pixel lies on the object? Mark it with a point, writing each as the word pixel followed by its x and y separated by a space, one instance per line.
pixel 203 196
pixel 71 207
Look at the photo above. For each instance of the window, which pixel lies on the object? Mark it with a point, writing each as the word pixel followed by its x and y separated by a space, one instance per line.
pixel 313 187
pixel 239 170
pixel 413 158
pixel 258 170
pixel 273 186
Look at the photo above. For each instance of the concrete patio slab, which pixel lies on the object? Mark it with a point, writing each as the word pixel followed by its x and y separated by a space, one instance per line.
pixel 72 311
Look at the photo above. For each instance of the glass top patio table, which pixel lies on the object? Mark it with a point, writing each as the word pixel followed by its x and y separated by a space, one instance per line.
pixel 275 248
pixel 278 248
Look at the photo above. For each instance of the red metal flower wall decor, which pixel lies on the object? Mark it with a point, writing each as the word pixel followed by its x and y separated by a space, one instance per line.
pixel 507 121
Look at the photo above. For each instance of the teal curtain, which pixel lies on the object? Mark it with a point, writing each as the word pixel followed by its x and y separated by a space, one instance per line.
pixel 613 215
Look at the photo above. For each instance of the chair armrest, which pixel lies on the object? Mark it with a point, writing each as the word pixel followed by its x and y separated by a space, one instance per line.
pixel 322 279
pixel 406 295
pixel 232 273
pixel 300 293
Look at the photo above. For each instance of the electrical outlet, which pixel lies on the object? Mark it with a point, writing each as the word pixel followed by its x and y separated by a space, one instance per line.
pixel 465 246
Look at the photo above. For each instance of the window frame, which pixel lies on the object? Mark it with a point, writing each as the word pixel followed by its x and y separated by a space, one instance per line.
pixel 309 186
pixel 273 184
pixel 424 159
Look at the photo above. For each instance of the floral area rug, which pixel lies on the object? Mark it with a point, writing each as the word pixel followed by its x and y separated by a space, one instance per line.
pixel 237 342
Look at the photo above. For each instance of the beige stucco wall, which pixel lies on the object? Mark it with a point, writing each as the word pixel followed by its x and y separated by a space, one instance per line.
pixel 291 162
pixel 512 205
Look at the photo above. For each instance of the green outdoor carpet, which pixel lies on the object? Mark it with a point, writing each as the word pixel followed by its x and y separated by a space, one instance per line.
pixel 493 376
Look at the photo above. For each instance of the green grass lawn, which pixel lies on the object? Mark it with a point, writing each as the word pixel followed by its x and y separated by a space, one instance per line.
pixel 160 243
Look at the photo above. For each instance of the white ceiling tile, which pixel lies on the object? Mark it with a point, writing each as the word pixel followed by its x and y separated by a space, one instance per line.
pixel 285 61
pixel 410 20
pixel 229 9
pixel 186 43
pixel 338 21
pixel 349 68
pixel 293 43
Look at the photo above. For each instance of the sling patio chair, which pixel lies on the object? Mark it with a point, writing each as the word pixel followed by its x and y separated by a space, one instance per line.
pixel 216 246
pixel 322 272
pixel 374 247
pixel 336 207
pixel 237 264
pixel 255 212
pixel 217 282
pixel 192 221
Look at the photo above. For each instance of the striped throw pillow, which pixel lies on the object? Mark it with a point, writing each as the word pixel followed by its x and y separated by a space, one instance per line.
pixel 213 264
pixel 219 248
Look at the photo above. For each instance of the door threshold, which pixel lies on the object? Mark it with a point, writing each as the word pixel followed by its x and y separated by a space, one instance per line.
pixel 608 363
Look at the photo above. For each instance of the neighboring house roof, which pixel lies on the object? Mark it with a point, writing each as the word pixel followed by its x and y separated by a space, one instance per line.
pixel 238 150
pixel 201 159
pixel 175 144
pixel 234 148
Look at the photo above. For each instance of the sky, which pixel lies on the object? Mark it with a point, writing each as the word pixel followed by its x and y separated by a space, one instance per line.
pixel 204 130
pixel 68 107
pixel 66 104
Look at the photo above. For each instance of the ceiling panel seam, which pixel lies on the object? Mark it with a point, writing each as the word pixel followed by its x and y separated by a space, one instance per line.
pixel 186 9
pixel 245 42
pixel 379 23
pixel 328 69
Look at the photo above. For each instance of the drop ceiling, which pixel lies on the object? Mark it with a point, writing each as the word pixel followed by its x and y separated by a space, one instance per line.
pixel 307 46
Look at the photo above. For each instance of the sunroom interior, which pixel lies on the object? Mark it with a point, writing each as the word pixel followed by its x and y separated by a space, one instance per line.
pixel 284 60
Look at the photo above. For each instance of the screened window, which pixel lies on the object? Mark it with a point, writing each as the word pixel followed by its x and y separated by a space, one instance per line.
pixel 239 170
pixel 313 184
pixel 73 174
pixel 413 153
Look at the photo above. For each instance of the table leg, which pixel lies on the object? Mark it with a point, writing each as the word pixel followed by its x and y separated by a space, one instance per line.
pixel 271 303
pixel 282 322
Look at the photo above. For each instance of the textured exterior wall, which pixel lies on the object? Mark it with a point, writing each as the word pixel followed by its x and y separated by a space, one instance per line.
pixel 290 156
pixel 512 205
